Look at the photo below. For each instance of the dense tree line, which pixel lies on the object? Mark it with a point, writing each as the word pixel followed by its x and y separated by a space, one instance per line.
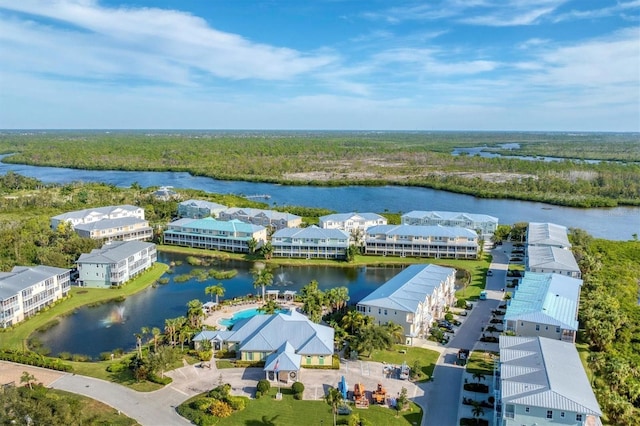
pixel 610 318
pixel 361 159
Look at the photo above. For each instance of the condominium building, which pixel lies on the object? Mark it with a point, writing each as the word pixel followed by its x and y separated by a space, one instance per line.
pixel 422 241
pixel 311 242
pixel 266 218
pixel 551 259
pixel 115 263
pixel 547 234
pixel 27 289
pixel 482 223
pixel 350 222
pixel 545 305
pixel 414 298
pixel 198 209
pixel 212 234
pixel 111 223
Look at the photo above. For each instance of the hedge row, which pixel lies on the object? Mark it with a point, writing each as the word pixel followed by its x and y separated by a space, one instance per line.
pixel 31 358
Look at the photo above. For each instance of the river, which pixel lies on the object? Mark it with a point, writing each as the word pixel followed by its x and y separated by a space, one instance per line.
pixel 618 223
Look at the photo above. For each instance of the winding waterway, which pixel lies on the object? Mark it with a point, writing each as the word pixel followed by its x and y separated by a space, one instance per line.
pixel 618 223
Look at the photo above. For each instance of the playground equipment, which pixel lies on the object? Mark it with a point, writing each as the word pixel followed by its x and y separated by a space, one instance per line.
pixel 359 396
pixel 380 394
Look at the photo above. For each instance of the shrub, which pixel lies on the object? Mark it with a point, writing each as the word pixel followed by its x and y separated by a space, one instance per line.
pixel 201 404
pixel 237 403
pixel 263 386
pixel 159 380
pixel 297 387
pixel 476 387
pixel 65 356
pixel 461 303
pixel 117 367
pixel 448 316
pixel 220 409
pixel 221 392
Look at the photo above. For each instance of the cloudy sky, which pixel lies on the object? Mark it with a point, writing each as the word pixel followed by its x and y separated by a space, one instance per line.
pixel 321 64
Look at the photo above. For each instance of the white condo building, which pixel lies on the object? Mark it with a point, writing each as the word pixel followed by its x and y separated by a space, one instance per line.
pixel 115 263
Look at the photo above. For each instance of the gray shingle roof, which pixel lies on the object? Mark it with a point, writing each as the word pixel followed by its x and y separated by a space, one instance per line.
pixel 22 277
pixel 203 204
pixel 546 373
pixel 446 215
pixel 269 214
pixel 101 211
pixel 114 252
pixel 109 223
pixel 312 232
pixel 409 288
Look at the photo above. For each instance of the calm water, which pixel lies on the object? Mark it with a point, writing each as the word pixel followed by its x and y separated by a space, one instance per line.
pixel 618 223
pixel 91 331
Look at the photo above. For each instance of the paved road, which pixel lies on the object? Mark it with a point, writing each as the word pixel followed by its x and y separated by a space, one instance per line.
pixel 443 395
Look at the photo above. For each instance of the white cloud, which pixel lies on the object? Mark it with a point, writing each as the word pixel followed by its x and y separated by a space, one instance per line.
pixel 110 41
pixel 618 8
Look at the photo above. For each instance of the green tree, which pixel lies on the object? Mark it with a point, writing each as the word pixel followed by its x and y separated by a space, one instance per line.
pixel 215 290
pixel 262 278
pixel 195 313
pixel 252 244
pixel 28 379
pixel 334 398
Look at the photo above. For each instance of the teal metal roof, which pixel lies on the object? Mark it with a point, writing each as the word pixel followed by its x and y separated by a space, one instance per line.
pixel 546 298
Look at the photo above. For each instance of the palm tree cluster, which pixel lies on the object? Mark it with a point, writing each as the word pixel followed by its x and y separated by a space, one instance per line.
pixel 363 336
pixel 316 302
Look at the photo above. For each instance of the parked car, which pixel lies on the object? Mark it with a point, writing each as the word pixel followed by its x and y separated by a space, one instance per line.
pixel 489 273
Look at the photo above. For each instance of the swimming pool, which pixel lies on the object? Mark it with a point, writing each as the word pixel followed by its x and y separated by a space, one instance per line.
pixel 247 313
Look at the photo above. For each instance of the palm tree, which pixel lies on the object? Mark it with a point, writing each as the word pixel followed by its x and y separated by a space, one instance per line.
pixel 334 399
pixel 342 297
pixel 171 328
pixel 215 290
pixel 270 307
pixel 195 313
pixel 138 337
pixel 155 332
pixel 396 332
pixel 262 278
pixel 478 376
pixel 353 320
pixel 252 244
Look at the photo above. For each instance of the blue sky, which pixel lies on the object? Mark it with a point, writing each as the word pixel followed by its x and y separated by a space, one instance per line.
pixel 551 65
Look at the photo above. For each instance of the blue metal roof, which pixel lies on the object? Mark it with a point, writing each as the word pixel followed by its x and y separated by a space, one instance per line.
pixel 423 231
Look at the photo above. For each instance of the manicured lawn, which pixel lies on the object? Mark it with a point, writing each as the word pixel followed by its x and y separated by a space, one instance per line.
pixel 288 411
pixel 15 338
pixel 481 362
pixel 427 358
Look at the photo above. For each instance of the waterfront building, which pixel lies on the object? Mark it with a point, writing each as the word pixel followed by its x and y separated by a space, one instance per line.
pixel 482 223
pixel 115 263
pixel 27 289
pixel 311 242
pixel 212 234
pixel 198 209
pixel 545 305
pixel 550 259
pixel 111 223
pixel 414 298
pixel 351 222
pixel 547 234
pixel 441 242
pixel 266 218
pixel 542 381
pixel 285 342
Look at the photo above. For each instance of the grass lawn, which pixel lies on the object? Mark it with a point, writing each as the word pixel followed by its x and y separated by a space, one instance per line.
pixel 288 411
pixel 16 337
pixel 427 358
pixel 481 362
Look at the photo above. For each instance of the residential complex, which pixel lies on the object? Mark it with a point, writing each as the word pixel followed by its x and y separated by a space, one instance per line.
pixel 266 218
pixel 27 289
pixel 482 223
pixel 198 209
pixel 549 259
pixel 545 305
pixel 547 234
pixel 414 298
pixel 351 222
pixel 111 223
pixel 311 242
pixel 284 341
pixel 115 263
pixel 422 241
pixel 542 381
pixel 212 234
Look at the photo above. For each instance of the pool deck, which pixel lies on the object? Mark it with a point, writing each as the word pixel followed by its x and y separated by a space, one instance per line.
pixel 226 312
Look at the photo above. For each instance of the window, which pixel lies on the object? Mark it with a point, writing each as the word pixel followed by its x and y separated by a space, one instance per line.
pixel 578 417
pixel 537 327
pixel 526 409
pixel 557 329
pixel 549 414
pixel 562 414
pixel 385 312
